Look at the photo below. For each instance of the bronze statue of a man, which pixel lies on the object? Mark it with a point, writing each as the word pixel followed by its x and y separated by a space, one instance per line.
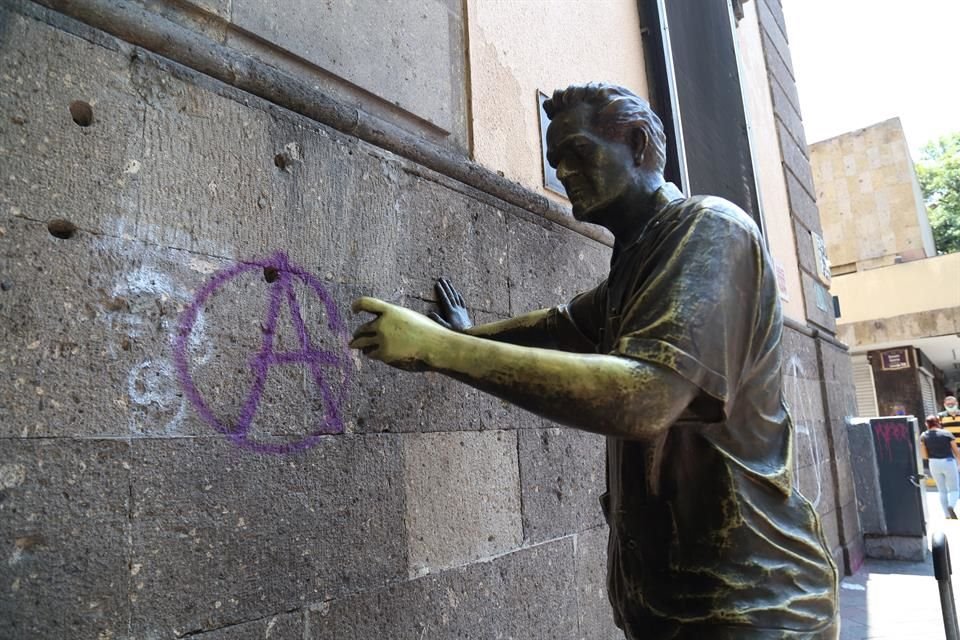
pixel 676 359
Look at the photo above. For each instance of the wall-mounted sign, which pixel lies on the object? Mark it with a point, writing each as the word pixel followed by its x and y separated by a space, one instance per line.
pixel 550 180
pixel 820 257
pixel 824 301
pixel 893 359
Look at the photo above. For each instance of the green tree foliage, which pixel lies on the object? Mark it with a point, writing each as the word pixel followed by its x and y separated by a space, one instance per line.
pixel 939 174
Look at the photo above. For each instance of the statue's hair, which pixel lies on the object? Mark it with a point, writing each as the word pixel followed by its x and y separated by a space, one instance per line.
pixel 615 111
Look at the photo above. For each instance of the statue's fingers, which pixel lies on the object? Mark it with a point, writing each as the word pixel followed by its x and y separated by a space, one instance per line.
pixel 442 298
pixel 460 300
pixel 365 342
pixel 452 294
pixel 433 315
pixel 368 328
pixel 370 305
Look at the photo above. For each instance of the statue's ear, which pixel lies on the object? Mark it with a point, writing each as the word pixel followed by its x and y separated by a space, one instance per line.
pixel 638 141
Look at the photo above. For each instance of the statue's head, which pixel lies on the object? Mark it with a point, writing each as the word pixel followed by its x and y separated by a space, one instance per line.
pixel 607 146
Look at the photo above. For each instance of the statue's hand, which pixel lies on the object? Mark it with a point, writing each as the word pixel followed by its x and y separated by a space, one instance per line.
pixel 399 337
pixel 453 310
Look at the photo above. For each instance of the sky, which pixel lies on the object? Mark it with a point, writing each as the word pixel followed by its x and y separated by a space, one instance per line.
pixel 859 62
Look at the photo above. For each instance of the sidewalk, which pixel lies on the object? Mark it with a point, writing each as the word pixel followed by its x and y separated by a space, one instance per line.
pixel 899 600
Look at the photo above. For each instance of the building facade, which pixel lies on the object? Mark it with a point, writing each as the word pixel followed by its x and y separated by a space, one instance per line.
pixel 193 193
pixel 899 301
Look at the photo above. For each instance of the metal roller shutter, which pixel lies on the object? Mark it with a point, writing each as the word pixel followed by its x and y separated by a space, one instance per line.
pixel 866 392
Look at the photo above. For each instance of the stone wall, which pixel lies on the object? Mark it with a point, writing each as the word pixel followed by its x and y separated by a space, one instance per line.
pixel 819 393
pixel 162 235
pixel 796 164
pixel 125 513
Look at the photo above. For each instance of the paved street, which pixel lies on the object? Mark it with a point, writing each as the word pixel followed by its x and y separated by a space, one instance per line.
pixel 899 600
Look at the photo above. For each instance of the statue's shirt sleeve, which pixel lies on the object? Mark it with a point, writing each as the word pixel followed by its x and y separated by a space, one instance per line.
pixel 690 297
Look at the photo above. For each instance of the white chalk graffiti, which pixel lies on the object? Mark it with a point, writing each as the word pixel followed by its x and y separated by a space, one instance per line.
pixel 152 382
pixel 805 433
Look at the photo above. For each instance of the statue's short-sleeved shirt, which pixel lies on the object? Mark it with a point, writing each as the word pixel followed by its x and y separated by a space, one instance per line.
pixel 708 539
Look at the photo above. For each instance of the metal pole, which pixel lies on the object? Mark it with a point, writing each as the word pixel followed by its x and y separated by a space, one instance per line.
pixel 942 571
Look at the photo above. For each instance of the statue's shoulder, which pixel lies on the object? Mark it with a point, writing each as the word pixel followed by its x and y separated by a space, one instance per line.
pixel 716 211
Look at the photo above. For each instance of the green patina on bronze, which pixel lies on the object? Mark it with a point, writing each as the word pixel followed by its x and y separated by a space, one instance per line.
pixel 675 357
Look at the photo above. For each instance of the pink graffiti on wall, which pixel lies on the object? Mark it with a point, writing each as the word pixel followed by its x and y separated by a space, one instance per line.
pixel 889 433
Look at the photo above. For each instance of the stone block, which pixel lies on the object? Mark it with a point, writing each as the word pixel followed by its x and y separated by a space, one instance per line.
pixel 251 180
pixel 815 314
pixel 806 257
pixel 799 355
pixel 419 49
pixel 829 524
pixel 776 12
pixel 787 114
pixel 795 160
pixel 769 25
pixel 536 283
pixel 64 528
pixel 87 331
pixel 71 126
pixel 476 602
pixel 863 463
pixel 901 548
pixel 282 626
pixel 222 536
pixel 562 476
pixel 779 73
pixel 803 207
pixel 595 613
pixel 462 498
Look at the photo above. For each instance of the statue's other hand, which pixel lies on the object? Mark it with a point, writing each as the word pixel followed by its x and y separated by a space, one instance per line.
pixel 453 310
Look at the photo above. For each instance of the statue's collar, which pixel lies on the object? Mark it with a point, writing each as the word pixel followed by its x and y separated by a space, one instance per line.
pixel 661 199
pixel 665 195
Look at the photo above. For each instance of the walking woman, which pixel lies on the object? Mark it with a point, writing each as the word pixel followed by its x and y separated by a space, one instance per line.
pixel 937 444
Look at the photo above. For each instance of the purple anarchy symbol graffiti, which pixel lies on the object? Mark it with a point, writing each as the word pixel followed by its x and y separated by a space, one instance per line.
pixel 282 274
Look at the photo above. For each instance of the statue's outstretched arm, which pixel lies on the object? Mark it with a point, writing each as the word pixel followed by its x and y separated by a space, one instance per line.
pixel 545 328
pixel 605 394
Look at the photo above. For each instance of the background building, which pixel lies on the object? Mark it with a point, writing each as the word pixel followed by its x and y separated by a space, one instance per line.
pixel 165 163
pixel 899 301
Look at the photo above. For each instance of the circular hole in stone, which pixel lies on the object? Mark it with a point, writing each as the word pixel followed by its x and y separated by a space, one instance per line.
pixel 271 274
pixel 81 112
pixel 63 229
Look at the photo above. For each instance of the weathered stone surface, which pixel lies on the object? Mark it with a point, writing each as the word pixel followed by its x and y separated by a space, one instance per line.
pixel 802 205
pixel 536 284
pixel 419 48
pixel 462 497
pixel 562 477
pixel 283 626
pixel 221 536
pixel 911 549
pixel 866 478
pixel 779 73
pixel 799 354
pixel 51 166
pixel 64 527
pixel 245 184
pixel 595 615
pixel 776 12
pixel 767 12
pixel 828 522
pixel 805 252
pixel 795 160
pixel 821 317
pixel 480 601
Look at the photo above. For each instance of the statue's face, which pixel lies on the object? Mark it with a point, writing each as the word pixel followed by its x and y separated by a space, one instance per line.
pixel 595 171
